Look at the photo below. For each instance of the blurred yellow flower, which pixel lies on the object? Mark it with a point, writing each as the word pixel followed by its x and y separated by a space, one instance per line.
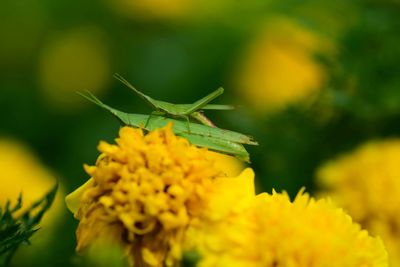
pixel 143 193
pixel 21 172
pixel 366 182
pixel 74 61
pixel 278 68
pixel 270 230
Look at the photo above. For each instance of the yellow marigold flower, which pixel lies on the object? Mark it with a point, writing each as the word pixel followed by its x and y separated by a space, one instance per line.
pixel 270 230
pixel 278 68
pixel 229 165
pixel 144 192
pixel 366 182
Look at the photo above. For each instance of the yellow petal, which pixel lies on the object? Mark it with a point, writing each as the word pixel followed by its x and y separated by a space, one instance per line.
pixel 230 189
pixel 73 199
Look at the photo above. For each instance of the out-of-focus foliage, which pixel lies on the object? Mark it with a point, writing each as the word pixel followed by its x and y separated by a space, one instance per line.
pixel 179 51
pixel 365 75
pixel 76 59
pixel 17 229
pixel 190 259
pixel 103 254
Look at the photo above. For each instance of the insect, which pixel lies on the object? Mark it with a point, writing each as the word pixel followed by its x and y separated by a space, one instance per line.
pixel 194 110
pixel 216 139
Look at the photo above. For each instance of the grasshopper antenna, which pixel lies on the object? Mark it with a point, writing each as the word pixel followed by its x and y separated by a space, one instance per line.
pixel 130 86
pixel 89 96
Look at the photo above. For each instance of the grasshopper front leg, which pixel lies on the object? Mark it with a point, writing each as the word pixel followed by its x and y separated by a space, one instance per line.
pixel 152 114
pixel 187 122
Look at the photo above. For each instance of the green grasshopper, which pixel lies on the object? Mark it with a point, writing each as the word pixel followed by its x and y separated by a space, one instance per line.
pixel 216 139
pixel 182 110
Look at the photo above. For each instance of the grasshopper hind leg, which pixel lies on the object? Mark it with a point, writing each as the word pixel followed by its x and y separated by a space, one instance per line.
pixel 200 117
pixel 187 119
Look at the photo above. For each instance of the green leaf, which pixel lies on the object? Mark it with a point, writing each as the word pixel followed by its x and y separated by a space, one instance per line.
pixel 16 230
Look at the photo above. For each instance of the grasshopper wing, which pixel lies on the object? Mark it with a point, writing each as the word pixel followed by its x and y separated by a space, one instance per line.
pixel 218 145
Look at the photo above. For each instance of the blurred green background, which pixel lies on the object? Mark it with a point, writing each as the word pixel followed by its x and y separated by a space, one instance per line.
pixel 313 79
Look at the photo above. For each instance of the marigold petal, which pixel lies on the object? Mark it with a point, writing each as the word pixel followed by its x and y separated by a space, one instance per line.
pixel 73 200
